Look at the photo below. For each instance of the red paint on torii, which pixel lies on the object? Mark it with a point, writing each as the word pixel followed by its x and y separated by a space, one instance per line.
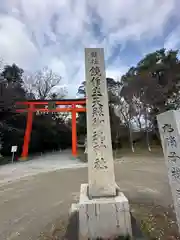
pixel 32 107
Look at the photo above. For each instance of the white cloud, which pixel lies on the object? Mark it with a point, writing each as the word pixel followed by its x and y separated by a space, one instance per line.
pixel 15 46
pixel 54 33
pixel 116 73
pixel 58 67
pixel 173 39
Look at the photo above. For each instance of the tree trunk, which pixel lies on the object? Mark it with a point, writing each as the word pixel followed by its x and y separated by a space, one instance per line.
pixel 130 137
pixel 147 133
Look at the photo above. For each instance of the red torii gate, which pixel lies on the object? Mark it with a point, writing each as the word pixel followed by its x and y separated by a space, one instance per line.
pixel 31 107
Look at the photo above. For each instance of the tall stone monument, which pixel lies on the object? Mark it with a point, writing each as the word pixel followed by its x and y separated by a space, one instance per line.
pixel 169 129
pixel 100 158
pixel 103 211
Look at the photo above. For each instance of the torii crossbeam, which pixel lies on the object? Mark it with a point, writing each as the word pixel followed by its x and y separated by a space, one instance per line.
pixel 32 106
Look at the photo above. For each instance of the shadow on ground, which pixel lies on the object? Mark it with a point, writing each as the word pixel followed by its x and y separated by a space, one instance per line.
pixel 73 229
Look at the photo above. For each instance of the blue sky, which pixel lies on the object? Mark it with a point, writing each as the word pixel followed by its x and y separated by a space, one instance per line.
pixel 54 33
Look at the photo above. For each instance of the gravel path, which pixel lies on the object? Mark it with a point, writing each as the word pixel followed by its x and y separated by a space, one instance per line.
pixel 41 197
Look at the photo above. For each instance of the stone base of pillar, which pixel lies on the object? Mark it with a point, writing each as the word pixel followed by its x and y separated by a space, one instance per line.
pixel 103 217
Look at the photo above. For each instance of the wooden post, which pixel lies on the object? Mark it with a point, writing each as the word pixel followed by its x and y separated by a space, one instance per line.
pixel 27 132
pixel 74 134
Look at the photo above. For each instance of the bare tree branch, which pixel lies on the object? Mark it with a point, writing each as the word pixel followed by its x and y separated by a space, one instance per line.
pixel 42 84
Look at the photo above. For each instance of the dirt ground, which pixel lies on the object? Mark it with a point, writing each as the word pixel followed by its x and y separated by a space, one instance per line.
pixel 37 203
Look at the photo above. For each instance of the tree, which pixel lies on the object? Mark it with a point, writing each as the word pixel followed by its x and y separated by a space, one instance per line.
pixel 43 84
pixel 153 82
pixel 11 89
pixel 13 74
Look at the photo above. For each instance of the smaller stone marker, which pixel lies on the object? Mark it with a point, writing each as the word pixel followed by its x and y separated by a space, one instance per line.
pixel 169 129
pixel 103 212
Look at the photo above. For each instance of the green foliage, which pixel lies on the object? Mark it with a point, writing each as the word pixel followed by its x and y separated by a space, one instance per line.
pixel 154 80
pixel 13 74
pixel 154 83
pixel 81 124
pixel 13 133
pixel 48 134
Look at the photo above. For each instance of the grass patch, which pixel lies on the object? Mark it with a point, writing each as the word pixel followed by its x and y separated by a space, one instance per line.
pixel 156 222
pixel 5 160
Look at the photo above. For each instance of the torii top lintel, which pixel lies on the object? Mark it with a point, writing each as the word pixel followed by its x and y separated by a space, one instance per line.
pixel 77 101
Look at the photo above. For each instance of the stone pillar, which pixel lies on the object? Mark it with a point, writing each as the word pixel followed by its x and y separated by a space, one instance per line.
pixel 169 129
pixel 100 157
pixel 103 211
